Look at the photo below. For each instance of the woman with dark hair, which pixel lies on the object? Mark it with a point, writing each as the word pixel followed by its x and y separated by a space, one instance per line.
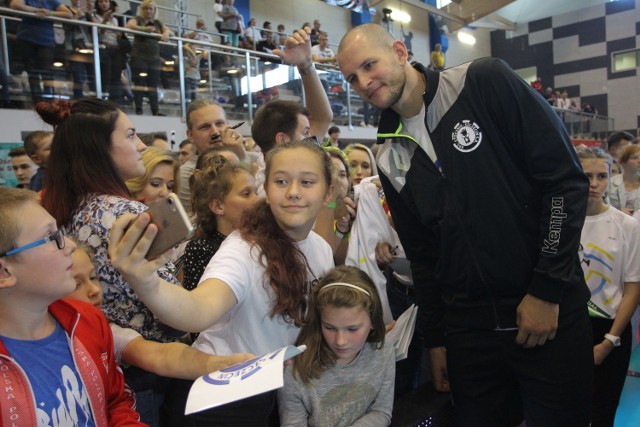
pixel 253 294
pixel 145 58
pixel 95 149
pixel 99 148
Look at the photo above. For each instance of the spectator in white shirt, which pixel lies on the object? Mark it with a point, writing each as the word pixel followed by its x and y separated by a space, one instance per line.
pixel 322 53
pixel 252 33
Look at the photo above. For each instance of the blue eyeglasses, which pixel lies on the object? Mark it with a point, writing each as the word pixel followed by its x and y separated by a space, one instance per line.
pixel 57 236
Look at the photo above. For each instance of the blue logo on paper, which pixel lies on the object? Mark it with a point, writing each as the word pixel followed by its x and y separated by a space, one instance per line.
pixel 238 372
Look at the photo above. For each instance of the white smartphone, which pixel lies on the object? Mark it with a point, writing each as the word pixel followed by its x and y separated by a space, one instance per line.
pixel 173 225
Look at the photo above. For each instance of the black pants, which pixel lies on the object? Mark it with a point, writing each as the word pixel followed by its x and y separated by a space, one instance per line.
pixel 495 382
pixel 609 375
pixel 254 411
pixel 110 68
pixel 38 61
pixel 145 84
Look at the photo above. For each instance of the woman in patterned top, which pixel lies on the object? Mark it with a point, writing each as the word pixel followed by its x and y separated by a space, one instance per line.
pixel 99 148
pixel 95 149
pixel 220 195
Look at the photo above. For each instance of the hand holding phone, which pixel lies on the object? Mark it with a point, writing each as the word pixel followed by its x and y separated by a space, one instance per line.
pixel 174 225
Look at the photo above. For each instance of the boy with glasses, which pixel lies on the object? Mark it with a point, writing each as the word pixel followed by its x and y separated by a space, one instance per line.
pixel 56 356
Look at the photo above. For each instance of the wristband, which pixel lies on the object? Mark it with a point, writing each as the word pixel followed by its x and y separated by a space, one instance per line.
pixel 614 339
pixel 342 235
pixel 51 13
pixel 331 204
pixel 309 70
pixel 339 233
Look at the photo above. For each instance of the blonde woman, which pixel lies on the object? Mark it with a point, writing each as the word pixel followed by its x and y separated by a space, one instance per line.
pixel 160 177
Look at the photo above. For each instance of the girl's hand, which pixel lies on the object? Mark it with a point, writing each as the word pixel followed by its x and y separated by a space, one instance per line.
pixel 129 242
pixel 601 351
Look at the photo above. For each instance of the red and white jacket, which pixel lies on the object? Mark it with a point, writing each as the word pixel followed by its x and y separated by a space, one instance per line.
pixel 91 345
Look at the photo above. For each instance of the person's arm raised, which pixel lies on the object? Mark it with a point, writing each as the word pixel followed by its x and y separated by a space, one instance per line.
pixel 192 311
pixel 297 52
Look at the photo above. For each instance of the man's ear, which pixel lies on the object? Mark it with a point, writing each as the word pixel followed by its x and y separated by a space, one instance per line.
pixel 281 138
pixel 400 51
pixel 7 279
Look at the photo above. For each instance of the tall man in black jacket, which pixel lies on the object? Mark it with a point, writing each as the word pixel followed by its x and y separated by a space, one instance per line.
pixel 488 198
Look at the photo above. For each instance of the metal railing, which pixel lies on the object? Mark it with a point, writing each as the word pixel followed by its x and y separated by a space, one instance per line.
pixel 241 79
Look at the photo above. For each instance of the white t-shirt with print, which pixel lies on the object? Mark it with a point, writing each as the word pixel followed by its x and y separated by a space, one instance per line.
pixel 610 256
pixel 247 327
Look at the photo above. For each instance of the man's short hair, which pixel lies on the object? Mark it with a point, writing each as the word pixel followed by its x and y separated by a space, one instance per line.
pixel 334 129
pixel 274 117
pixel 33 139
pixel 17 152
pixel 196 105
pixel 184 142
pixel 615 138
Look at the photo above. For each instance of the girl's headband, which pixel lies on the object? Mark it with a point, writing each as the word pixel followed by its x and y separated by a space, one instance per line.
pixel 348 285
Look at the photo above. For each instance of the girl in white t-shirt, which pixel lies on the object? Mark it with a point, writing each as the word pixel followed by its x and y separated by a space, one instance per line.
pixel 610 249
pixel 252 297
pixel 346 375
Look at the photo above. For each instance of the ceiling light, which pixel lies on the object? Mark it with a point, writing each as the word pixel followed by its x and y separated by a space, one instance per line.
pixel 400 16
pixel 466 38
pixel 58 64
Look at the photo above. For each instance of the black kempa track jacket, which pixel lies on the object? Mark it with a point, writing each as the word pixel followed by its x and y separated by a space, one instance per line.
pixel 502 216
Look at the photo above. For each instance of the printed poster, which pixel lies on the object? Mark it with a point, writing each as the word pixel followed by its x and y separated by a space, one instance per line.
pixel 255 376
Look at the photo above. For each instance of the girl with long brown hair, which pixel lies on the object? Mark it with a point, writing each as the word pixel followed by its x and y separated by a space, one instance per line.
pixel 253 294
